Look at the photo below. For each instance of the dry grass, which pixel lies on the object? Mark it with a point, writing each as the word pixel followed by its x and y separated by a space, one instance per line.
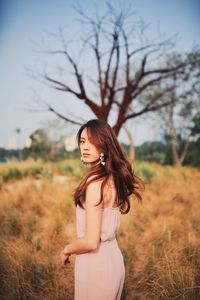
pixel 159 239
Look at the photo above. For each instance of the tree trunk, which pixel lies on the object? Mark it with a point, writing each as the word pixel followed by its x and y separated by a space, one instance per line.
pixel 176 160
pixel 183 155
pixel 131 144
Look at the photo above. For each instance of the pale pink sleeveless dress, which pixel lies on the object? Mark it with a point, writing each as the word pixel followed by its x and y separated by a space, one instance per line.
pixel 100 274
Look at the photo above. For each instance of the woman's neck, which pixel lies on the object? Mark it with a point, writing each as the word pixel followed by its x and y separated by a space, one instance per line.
pixel 94 164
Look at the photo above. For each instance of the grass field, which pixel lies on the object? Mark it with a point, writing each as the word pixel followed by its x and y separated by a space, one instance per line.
pixel 159 239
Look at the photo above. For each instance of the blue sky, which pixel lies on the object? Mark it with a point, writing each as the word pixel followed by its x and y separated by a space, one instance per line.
pixel 23 22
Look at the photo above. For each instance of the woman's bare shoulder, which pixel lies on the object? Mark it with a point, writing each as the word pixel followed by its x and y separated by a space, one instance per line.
pixel 97 181
pixel 95 184
pixel 93 193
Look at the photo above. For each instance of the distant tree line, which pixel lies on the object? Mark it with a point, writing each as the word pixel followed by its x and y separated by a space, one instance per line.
pixel 156 151
pixel 161 153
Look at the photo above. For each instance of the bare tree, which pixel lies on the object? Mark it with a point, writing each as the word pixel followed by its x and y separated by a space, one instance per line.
pixel 125 63
pixel 173 132
pixel 176 119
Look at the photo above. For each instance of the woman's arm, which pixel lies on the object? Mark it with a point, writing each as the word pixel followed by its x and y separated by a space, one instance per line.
pixel 93 222
pixel 79 246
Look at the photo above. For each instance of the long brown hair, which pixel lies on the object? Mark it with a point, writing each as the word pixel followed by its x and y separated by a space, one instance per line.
pixel 126 182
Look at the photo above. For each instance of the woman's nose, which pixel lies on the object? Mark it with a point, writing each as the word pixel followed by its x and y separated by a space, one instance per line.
pixel 86 146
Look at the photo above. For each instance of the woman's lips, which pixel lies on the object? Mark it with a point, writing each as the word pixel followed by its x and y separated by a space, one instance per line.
pixel 86 155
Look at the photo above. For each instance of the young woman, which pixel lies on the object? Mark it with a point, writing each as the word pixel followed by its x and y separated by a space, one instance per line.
pixel 100 199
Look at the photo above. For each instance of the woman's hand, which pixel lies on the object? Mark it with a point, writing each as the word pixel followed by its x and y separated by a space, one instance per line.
pixel 65 258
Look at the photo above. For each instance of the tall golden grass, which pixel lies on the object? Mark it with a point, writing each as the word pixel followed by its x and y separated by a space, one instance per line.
pixel 159 239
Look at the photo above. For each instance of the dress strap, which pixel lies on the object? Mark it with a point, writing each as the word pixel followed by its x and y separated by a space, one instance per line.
pixel 113 194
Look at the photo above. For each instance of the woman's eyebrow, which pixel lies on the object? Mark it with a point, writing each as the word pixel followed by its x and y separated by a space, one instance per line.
pixel 82 138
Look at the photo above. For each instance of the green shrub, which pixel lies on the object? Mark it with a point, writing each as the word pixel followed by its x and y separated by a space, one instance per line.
pixel 146 174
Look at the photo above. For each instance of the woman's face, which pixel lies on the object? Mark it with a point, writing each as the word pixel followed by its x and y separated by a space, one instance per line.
pixel 88 150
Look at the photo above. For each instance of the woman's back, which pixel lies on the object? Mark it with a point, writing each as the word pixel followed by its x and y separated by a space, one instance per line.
pixel 104 266
pixel 110 218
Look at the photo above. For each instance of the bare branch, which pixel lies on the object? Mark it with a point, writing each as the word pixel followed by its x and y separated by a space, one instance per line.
pixel 166 43
pixel 50 108
pixel 146 109
pixel 124 35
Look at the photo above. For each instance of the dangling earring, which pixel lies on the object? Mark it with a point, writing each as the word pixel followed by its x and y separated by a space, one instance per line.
pixel 102 159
